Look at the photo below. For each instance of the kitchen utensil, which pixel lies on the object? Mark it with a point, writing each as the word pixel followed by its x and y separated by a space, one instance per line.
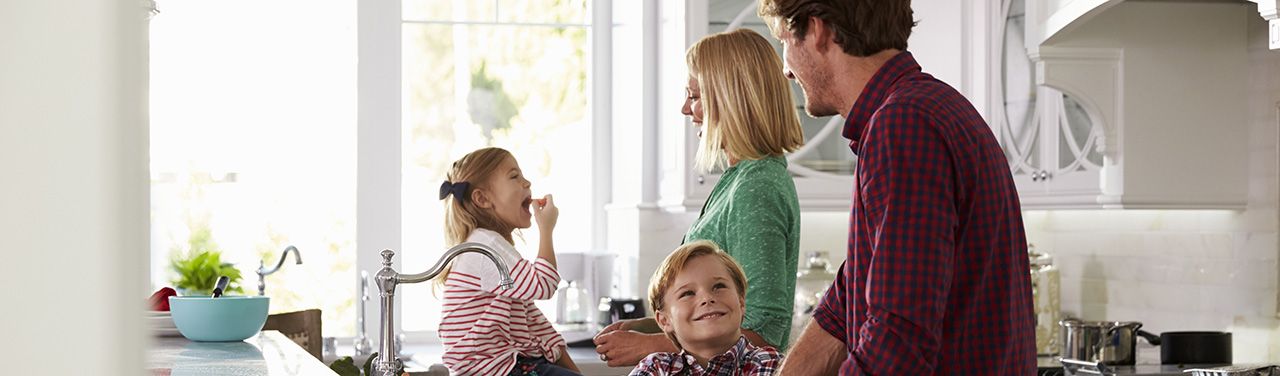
pixel 614 309
pixel 573 304
pixel 1191 347
pixel 228 318
pixel 1104 342
pixel 220 285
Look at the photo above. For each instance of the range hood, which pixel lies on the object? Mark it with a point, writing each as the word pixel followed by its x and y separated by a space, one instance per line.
pixel 1061 16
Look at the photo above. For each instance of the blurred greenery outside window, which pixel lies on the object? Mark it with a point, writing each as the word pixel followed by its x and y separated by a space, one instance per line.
pixel 505 73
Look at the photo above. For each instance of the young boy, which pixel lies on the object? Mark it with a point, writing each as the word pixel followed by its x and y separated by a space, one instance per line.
pixel 698 296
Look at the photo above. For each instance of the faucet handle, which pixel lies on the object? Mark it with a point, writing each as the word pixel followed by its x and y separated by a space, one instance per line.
pixel 387 254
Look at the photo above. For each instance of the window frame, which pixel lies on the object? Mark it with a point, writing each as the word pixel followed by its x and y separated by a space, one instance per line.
pixel 379 26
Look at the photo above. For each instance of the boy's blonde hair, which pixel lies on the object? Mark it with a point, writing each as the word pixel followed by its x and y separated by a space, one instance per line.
pixel 462 215
pixel 746 99
pixel 675 263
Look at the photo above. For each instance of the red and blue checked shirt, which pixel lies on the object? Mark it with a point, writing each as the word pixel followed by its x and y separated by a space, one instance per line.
pixel 744 359
pixel 937 279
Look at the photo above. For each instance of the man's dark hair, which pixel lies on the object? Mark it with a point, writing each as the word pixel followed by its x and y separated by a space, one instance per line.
pixel 861 27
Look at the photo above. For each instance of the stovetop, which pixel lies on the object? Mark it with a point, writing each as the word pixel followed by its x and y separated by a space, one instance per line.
pixel 1050 366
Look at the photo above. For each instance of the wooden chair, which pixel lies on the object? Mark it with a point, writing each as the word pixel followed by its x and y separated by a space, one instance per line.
pixel 303 327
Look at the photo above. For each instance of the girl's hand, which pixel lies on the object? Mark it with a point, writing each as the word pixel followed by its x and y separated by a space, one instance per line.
pixel 545 213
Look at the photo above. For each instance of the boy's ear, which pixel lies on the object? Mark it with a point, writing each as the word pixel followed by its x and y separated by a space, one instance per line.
pixel 664 322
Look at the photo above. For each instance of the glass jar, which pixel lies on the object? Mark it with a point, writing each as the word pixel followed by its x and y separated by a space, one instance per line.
pixel 811 283
pixel 1045 295
pixel 572 304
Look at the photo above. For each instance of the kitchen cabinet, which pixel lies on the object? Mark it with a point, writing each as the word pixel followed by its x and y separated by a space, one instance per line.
pixel 823 168
pixel 1135 105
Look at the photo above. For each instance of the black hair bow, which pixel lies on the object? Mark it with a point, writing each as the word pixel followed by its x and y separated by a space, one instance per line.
pixel 459 190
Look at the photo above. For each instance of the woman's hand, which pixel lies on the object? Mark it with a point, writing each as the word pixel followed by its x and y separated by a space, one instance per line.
pixel 626 348
pixel 546 213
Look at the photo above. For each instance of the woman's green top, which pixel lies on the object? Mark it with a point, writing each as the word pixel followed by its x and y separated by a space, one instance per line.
pixel 754 215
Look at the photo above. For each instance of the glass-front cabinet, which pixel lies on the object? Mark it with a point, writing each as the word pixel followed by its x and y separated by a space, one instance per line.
pixel 1053 144
pixel 1097 109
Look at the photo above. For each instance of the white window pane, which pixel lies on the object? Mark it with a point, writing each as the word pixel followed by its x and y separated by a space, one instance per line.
pixel 252 144
pixel 522 88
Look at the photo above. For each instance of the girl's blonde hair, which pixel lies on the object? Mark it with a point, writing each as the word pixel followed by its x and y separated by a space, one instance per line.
pixel 461 214
pixel 747 107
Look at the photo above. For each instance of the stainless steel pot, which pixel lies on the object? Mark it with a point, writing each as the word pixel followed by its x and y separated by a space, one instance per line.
pixel 1105 342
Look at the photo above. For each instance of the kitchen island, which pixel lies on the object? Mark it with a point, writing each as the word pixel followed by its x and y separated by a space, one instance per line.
pixel 267 353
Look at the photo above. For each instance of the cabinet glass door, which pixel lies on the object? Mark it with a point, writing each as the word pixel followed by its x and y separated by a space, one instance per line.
pixel 1019 124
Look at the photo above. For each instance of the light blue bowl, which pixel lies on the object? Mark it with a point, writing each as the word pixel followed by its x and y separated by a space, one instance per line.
pixel 228 318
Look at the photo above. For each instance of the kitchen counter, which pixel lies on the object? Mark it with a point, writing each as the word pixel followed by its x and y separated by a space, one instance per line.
pixel 424 358
pixel 267 353
pixel 426 361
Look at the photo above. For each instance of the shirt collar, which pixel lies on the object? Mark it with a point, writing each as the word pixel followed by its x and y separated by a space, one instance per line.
pixel 731 359
pixel 874 93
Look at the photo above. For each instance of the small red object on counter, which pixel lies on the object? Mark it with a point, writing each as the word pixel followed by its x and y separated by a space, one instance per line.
pixel 159 301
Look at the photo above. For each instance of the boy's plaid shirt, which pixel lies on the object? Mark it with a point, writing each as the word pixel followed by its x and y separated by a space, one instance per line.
pixel 744 359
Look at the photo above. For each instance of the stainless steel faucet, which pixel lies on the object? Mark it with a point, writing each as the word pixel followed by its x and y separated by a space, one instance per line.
pixel 263 272
pixel 362 345
pixel 388 360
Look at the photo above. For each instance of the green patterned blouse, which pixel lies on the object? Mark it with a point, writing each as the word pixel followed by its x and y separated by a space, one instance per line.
pixel 754 215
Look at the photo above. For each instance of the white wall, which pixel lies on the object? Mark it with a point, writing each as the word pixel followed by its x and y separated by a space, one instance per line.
pixel 73 200
pixel 1185 270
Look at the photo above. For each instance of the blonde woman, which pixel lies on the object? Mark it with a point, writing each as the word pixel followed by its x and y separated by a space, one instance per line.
pixel 740 103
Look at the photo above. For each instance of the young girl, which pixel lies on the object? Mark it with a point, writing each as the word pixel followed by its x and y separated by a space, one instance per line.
pixel 487 329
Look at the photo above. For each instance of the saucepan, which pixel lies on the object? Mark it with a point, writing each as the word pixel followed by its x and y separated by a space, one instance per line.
pixel 1103 342
pixel 1191 347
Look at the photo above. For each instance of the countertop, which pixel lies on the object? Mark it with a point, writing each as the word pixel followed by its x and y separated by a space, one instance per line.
pixel 266 353
pixel 423 359
pixel 426 361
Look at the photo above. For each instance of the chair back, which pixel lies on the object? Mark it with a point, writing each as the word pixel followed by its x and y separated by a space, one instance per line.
pixel 303 327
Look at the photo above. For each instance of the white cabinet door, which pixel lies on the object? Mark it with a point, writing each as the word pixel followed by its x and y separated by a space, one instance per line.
pixel 1053 143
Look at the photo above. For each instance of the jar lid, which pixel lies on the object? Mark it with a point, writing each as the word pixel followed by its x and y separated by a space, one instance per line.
pixel 1037 258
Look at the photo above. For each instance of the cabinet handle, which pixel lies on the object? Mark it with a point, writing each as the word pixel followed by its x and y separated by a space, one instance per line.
pixel 1035 176
pixel 701 180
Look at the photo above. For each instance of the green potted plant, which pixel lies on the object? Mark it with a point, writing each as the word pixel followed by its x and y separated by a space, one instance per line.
pixel 199 272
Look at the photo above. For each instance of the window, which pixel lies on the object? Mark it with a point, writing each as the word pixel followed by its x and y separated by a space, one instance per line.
pixel 252 145
pixel 505 73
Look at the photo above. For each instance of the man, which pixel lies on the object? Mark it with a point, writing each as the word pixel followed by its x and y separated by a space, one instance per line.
pixel 936 281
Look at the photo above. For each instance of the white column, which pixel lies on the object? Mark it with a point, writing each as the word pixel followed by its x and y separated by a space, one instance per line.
pixel 74 198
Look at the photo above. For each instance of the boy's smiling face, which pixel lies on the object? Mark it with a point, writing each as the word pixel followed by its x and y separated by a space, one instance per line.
pixel 702 306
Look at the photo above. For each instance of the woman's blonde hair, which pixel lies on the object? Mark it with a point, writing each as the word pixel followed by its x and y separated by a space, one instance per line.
pixel 746 100
pixel 675 263
pixel 461 214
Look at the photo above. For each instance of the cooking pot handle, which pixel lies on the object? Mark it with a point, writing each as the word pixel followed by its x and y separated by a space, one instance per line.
pixel 1153 339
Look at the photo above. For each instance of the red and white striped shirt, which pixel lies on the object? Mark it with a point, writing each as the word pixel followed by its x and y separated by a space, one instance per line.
pixel 485 326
